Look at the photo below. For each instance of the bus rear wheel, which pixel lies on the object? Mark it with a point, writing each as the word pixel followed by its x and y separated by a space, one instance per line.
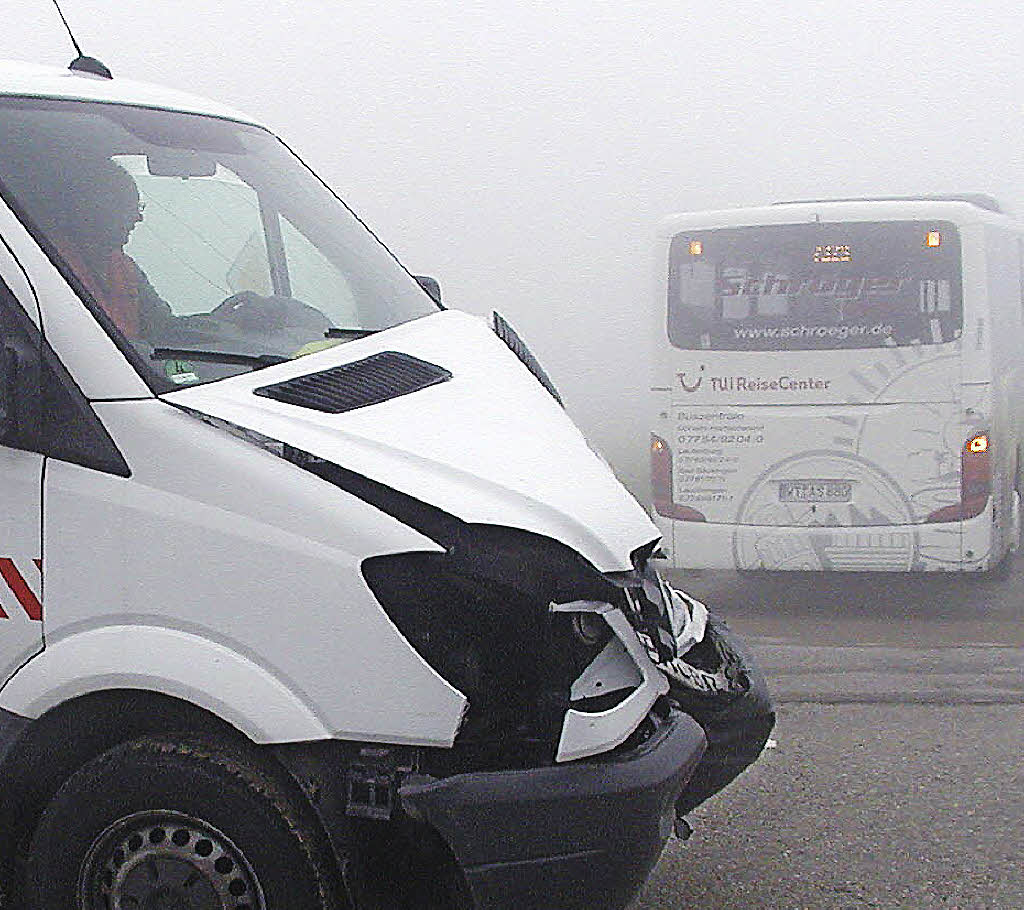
pixel 158 823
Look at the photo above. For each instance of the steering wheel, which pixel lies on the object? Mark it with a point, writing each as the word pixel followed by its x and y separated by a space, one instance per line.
pixel 250 311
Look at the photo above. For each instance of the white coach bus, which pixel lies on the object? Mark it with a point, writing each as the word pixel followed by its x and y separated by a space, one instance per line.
pixel 837 386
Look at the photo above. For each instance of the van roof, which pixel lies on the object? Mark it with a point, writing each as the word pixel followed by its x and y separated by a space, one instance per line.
pixel 28 80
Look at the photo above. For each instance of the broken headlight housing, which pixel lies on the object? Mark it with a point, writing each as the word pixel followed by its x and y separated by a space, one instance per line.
pixel 480 614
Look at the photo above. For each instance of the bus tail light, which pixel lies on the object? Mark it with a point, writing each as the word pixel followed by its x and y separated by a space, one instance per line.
pixel 661 484
pixel 975 481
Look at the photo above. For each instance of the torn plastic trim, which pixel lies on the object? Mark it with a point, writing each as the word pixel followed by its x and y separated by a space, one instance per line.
pixel 688 617
pixel 611 671
pixel 668 623
pixel 585 734
pixel 709 667
pixel 734 708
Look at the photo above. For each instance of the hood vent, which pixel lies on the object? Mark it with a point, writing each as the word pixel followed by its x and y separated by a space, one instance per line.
pixel 372 380
pixel 518 347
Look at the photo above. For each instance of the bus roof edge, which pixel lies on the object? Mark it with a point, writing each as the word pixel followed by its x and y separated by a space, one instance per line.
pixel 981 200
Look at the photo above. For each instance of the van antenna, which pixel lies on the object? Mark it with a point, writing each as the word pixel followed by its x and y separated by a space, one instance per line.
pixel 81 63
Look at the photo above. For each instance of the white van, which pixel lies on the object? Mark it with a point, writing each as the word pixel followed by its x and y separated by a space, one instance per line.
pixel 313 596
pixel 838 386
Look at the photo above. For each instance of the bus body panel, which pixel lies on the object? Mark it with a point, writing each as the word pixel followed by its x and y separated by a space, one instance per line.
pixel 837 458
pixel 879 464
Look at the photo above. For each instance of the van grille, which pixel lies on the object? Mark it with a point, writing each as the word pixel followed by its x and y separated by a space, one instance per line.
pixel 372 380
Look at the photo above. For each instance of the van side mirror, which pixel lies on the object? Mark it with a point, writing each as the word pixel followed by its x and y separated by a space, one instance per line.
pixel 431 285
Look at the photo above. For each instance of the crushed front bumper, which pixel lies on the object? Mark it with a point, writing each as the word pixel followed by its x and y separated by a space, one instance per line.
pixel 584 834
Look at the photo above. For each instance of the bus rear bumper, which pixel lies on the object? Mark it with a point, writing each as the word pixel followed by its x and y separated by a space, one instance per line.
pixel 955 546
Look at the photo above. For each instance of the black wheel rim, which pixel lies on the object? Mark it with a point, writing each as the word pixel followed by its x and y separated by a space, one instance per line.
pixel 165 860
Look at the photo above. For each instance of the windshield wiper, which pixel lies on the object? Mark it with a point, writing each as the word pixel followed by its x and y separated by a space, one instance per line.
pixel 246 360
pixel 335 332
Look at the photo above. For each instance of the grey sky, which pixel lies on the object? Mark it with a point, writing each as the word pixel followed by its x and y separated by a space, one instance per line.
pixel 523 152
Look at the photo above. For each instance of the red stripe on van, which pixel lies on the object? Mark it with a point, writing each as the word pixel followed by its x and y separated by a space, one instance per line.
pixel 29 602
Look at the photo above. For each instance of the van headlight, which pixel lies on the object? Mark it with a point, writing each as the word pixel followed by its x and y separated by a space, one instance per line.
pixel 480 615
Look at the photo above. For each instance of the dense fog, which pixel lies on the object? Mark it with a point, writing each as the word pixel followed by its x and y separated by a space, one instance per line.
pixel 524 152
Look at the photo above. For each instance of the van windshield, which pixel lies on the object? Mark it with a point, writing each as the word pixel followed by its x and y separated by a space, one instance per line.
pixel 184 232
pixel 792 287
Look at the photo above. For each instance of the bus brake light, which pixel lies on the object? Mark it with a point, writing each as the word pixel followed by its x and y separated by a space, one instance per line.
pixel 975 481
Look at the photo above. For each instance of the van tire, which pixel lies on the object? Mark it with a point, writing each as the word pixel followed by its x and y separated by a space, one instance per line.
pixel 156 816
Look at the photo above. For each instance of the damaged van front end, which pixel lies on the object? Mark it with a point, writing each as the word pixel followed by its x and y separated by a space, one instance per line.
pixel 584 830
pixel 592 688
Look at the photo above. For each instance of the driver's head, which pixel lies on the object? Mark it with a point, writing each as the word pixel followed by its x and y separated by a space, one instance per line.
pixel 102 205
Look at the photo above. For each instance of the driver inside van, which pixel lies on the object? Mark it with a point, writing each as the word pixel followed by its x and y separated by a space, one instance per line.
pixel 102 208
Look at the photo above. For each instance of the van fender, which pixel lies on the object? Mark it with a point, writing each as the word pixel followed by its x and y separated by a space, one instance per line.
pixel 181 664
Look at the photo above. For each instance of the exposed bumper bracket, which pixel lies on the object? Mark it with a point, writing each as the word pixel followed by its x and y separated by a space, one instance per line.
pixel 585 734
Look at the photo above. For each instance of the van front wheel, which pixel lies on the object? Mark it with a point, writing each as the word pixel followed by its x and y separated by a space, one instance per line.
pixel 161 823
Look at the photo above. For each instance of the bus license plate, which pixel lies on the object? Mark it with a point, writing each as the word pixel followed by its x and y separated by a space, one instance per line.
pixel 815 491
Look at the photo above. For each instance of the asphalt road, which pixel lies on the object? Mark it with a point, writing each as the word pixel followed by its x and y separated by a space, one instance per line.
pixel 898 775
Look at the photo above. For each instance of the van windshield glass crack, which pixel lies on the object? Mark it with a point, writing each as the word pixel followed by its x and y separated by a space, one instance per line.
pixel 195 233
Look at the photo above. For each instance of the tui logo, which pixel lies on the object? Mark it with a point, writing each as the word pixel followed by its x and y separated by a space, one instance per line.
pixel 691 386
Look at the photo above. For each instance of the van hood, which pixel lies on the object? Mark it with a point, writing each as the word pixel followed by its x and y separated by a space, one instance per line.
pixel 488 446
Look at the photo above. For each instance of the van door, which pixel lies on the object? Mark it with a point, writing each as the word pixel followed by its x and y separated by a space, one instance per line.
pixel 21 475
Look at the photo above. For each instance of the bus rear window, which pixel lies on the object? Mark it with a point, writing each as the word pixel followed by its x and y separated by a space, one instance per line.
pixel 821 286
